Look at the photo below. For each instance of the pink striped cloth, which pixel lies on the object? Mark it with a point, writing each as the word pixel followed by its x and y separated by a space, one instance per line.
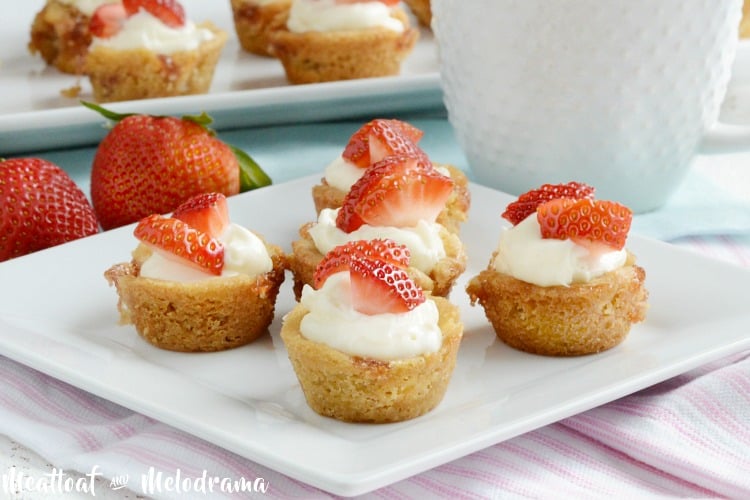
pixel 687 437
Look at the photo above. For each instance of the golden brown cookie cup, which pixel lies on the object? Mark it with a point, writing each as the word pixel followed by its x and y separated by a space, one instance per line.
pixel 214 314
pixel 122 75
pixel 254 23
pixel 583 318
pixel 60 35
pixel 358 389
pixel 316 57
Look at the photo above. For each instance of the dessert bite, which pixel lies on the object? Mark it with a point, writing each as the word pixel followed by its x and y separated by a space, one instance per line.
pixel 60 33
pixel 375 141
pixel 422 10
pixel 561 282
pixel 143 49
pixel 366 343
pixel 198 282
pixel 329 40
pixel 255 20
pixel 398 198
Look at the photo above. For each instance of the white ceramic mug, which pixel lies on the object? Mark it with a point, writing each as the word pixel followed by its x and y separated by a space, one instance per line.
pixel 620 94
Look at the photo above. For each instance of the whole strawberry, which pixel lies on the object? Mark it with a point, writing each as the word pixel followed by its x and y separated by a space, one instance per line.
pixel 151 164
pixel 40 207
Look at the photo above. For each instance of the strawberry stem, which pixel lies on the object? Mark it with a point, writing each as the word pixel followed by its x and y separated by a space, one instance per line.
pixel 251 175
pixel 106 113
pixel 203 119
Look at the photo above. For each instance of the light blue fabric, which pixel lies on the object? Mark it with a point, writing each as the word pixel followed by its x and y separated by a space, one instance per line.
pixel 698 208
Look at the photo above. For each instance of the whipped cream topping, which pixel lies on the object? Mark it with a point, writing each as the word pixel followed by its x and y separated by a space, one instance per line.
pixel 525 255
pixel 244 253
pixel 333 321
pixel 87 7
pixel 423 240
pixel 144 31
pixel 342 174
pixel 327 15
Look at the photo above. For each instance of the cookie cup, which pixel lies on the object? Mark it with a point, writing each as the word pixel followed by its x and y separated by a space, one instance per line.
pixel 214 314
pixel 122 75
pixel 314 56
pixel 745 20
pixel 359 389
pixel 254 22
pixel 305 257
pixel 60 35
pixel 456 208
pixel 422 10
pixel 583 318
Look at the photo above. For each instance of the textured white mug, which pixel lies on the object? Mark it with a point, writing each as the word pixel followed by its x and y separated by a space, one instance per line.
pixel 620 94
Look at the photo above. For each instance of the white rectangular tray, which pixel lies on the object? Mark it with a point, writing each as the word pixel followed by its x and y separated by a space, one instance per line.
pixel 247 89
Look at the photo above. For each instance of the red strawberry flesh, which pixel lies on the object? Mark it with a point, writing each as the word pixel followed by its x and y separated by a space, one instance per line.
pixel 170 12
pixel 527 203
pixel 339 258
pixel 207 212
pixel 398 191
pixel 593 223
pixel 107 20
pixel 378 287
pixel 176 239
pixel 381 138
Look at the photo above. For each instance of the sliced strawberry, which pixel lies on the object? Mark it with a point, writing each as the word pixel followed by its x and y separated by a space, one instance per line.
pixel 107 20
pixel 177 239
pixel 380 138
pixel 588 222
pixel 406 128
pixel 526 204
pixel 378 287
pixel 339 258
pixel 170 12
pixel 398 191
pixel 205 212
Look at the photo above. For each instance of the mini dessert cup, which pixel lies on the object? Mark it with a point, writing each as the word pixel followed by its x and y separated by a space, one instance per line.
pixel 314 56
pixel 60 35
pixel 359 389
pixel 120 75
pixel 582 318
pixel 422 10
pixel 255 20
pixel 214 314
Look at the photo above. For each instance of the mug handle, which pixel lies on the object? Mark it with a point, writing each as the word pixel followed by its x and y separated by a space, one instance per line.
pixel 725 138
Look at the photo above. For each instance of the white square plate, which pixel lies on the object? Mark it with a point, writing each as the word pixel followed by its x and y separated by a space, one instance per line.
pixel 58 315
